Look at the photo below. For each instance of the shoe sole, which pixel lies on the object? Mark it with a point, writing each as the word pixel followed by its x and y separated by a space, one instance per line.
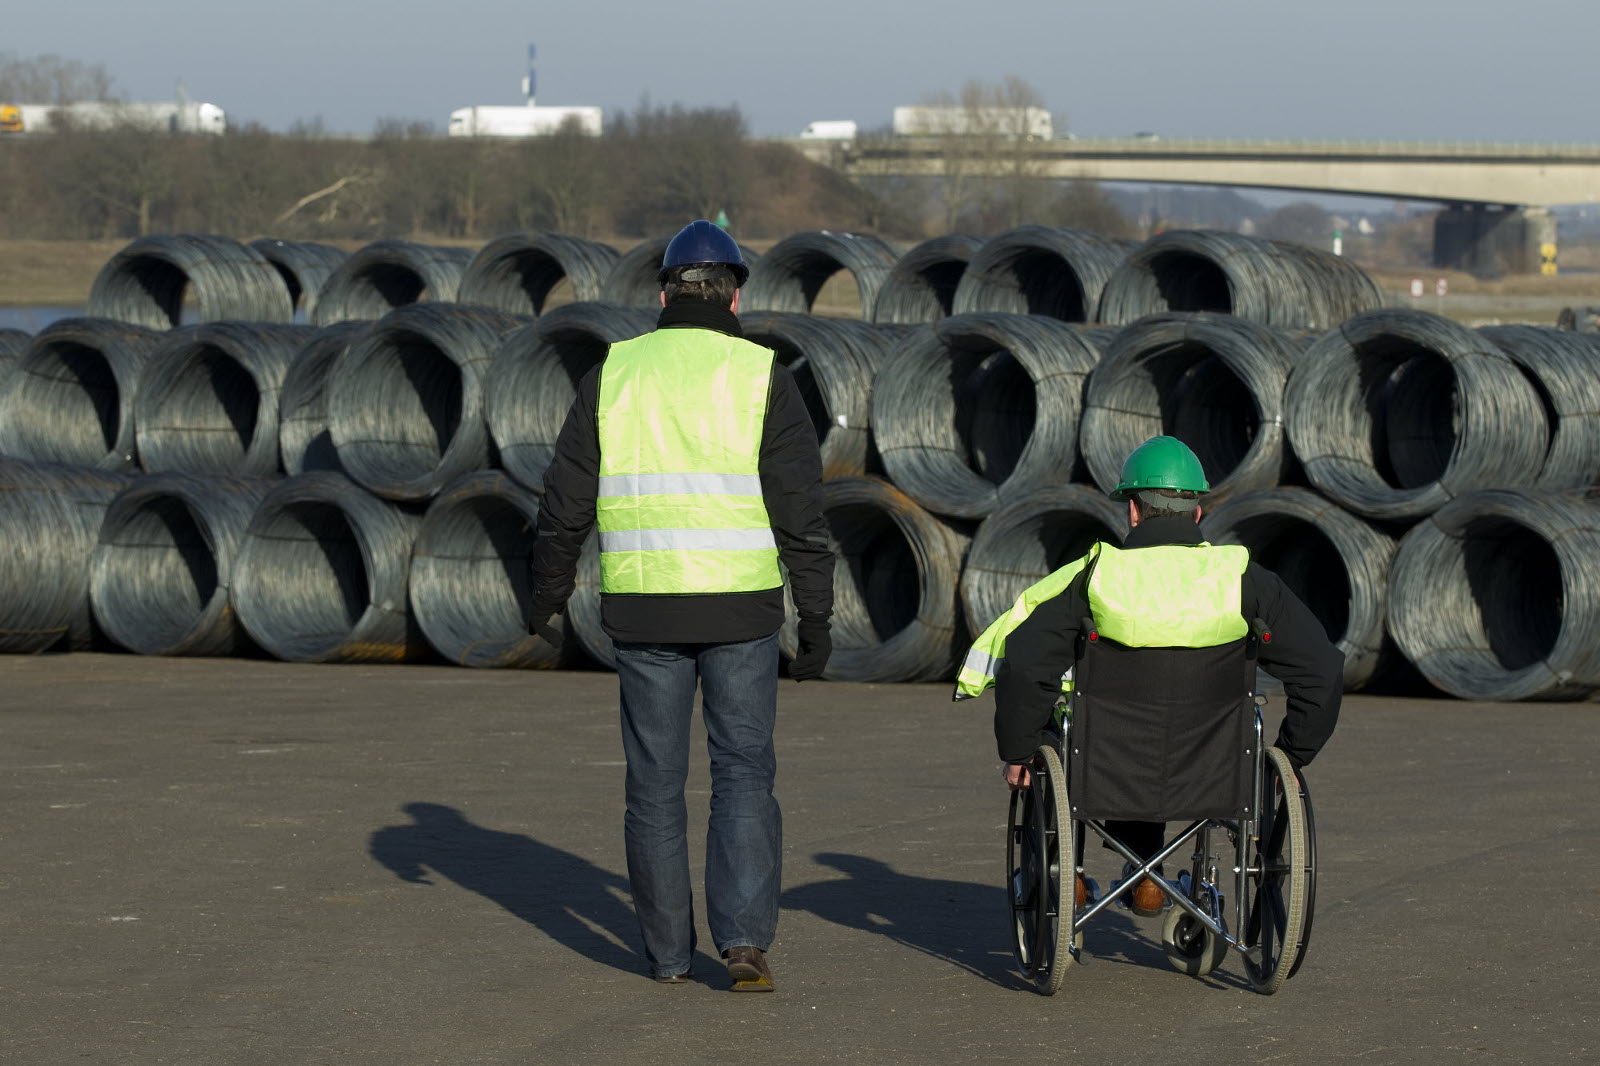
pixel 747 978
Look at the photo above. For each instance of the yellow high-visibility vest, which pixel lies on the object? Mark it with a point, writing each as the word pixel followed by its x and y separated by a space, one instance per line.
pixel 680 508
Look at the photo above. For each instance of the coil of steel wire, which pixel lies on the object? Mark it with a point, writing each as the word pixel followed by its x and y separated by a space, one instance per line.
pixel 322 574
pixel 1273 283
pixel 149 281
pixel 1215 382
pixel 518 272
pixel 1040 270
pixel 388 274
pixel 470 581
pixel 305 268
pixel 1030 538
pixel 1396 412
pixel 1496 596
pixel 534 378
pixel 13 342
pixel 406 400
pixel 208 398
pixel 50 516
pixel 922 285
pixel 1579 319
pixel 896 610
pixel 980 409
pixel 1564 368
pixel 303 438
pixel 1336 563
pixel 635 280
pixel 834 361
pixel 160 578
pixel 72 391
pixel 791 273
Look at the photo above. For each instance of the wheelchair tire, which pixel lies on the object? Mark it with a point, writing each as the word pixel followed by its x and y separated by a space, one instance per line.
pixel 1040 856
pixel 1192 948
pixel 1280 893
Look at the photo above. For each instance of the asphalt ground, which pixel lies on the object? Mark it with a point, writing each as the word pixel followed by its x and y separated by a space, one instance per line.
pixel 227 862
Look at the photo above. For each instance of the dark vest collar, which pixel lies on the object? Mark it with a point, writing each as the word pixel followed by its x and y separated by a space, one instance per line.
pixel 699 314
pixel 1150 534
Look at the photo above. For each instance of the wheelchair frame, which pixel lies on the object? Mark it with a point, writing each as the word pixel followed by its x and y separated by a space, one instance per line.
pixel 1273 877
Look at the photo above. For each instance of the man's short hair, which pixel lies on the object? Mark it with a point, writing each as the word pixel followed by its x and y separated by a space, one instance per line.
pixel 1166 503
pixel 712 282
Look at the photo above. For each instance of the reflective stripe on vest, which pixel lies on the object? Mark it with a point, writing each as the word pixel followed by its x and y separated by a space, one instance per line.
pixel 1167 596
pixel 680 508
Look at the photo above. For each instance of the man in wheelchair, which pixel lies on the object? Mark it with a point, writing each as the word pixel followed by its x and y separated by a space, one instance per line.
pixel 1124 700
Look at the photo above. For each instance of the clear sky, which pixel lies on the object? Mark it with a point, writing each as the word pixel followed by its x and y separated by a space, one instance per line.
pixel 1394 69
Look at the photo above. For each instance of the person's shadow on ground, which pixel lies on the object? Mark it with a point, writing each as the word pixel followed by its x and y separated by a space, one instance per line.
pixel 569 898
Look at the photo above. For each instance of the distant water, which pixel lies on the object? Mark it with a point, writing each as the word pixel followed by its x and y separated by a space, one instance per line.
pixel 33 319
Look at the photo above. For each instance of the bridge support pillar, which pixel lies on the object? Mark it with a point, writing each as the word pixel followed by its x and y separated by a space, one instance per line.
pixel 1492 239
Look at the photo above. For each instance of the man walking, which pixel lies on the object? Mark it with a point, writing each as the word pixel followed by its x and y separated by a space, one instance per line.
pixel 691 450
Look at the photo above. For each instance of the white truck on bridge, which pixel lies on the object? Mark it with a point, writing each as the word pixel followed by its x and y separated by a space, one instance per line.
pixel 1024 123
pixel 165 116
pixel 523 121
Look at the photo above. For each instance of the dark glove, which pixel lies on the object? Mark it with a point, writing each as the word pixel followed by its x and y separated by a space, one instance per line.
pixel 815 647
pixel 545 623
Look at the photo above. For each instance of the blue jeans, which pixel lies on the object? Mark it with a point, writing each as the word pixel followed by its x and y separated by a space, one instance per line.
pixel 744 840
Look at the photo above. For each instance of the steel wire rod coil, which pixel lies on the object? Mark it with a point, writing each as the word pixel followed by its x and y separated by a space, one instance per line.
pixel 1564 369
pixel 896 608
pixel 322 574
pixel 834 361
pixel 304 266
pixel 1337 563
pixel 980 409
pixel 1215 382
pixel 208 398
pixel 1579 319
pixel 71 395
pixel 388 274
pixel 1040 270
pixel 303 438
pixel 1396 412
pixel 518 272
pixel 1496 596
pixel 50 517
pixel 791 273
pixel 470 580
pixel 13 342
pixel 406 400
pixel 149 282
pixel 1273 283
pixel 922 285
pixel 1031 538
pixel 161 573
pixel 635 279
pixel 535 374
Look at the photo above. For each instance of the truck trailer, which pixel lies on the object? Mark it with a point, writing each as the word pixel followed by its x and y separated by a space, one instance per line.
pixel 518 121
pixel 165 116
pixel 1023 123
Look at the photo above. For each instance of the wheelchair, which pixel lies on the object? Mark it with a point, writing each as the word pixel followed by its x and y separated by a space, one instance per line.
pixel 1198 760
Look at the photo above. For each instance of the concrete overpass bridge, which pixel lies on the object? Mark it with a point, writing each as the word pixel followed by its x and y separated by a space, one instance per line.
pixel 1496 196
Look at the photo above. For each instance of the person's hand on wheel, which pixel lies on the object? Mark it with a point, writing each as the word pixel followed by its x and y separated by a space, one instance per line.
pixel 1017 776
pixel 815 647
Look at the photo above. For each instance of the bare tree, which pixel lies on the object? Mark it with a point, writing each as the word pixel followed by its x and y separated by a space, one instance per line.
pixel 51 79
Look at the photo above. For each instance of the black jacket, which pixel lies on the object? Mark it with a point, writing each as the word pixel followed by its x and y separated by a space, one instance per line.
pixel 791 483
pixel 1300 655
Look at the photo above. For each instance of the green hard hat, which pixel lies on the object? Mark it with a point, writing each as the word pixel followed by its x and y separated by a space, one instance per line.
pixel 1161 463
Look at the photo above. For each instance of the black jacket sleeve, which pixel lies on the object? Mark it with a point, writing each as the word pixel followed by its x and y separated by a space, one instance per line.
pixel 1302 657
pixel 566 513
pixel 791 485
pixel 1028 680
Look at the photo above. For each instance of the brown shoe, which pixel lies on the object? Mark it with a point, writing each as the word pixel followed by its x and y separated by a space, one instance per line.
pixel 1080 894
pixel 748 967
pixel 1148 899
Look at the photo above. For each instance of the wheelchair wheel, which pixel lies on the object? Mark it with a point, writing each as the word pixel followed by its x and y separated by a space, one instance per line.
pixel 1280 893
pixel 1039 858
pixel 1192 948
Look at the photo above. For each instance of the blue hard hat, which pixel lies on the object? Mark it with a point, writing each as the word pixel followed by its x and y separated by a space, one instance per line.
pixel 704 242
